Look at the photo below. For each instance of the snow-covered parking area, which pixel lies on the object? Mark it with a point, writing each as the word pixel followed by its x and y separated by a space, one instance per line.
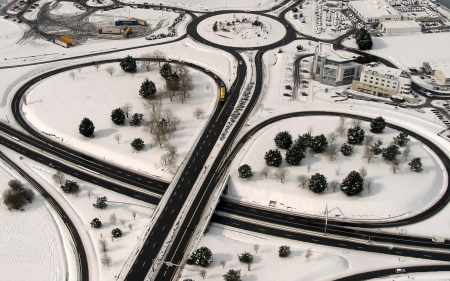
pixel 389 195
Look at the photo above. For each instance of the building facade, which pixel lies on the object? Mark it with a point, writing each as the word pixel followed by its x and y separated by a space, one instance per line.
pixel 382 81
pixel 372 12
pixel 330 67
pixel 390 27
pixel 439 69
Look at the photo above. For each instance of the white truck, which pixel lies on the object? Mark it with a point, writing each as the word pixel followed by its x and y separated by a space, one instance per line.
pixel 437 239
pixel 428 94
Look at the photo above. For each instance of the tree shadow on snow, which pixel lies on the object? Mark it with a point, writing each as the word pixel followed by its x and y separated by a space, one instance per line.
pixel 104 133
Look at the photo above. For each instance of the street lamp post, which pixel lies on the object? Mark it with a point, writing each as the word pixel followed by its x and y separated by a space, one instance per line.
pixel 326 219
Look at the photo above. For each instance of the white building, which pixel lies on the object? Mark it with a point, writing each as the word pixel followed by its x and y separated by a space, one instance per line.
pixel 439 69
pixel 333 68
pixel 391 27
pixel 372 12
pixel 383 81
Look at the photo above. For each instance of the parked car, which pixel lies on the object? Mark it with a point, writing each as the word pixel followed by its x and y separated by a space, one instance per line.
pixel 304 94
pixel 288 87
pixel 400 270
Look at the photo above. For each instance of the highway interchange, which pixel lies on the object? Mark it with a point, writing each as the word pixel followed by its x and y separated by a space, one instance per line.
pixel 38 147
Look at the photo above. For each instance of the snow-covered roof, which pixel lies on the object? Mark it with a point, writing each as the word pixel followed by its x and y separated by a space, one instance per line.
pixel 383 70
pixel 373 8
pixel 401 24
pixel 442 65
pixel 327 50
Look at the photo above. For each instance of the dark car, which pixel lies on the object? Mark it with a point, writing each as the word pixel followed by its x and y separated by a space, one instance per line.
pixel 287 95
pixel 421 77
pixel 304 94
pixel 402 105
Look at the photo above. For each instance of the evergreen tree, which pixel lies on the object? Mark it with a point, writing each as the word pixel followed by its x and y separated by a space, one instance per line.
pixel 389 153
pixel 306 139
pixel 128 64
pixel 376 147
pixel 355 135
pixel 416 165
pixel 116 233
pixel 294 155
pixel 353 183
pixel 118 116
pixel 147 89
pixel 363 39
pixel 283 140
pixel 86 127
pixel 284 251
pixel 201 257
pixel 137 144
pixel 245 171
pixel 136 119
pixel 402 139
pixel 317 183
pixel 232 275
pixel 101 203
pixel 319 143
pixel 346 149
pixel 245 257
pixel 214 28
pixel 377 125
pixel 69 186
pixel 96 223
pixel 273 158
pixel 165 70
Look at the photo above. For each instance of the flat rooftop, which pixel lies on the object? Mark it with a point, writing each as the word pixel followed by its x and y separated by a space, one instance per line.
pixel 384 70
pixel 400 24
pixel 373 8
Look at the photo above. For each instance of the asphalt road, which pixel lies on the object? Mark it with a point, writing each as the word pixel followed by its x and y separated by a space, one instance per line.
pixel 392 271
pixel 82 258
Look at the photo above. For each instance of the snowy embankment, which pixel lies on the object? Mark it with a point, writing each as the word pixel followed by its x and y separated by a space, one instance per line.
pixel 325 263
pixel 35 243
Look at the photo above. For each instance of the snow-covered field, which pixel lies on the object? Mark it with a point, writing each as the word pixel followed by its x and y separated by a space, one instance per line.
pixel 9 33
pixel 85 97
pixel 242 33
pixel 382 200
pixel 32 241
pixel 325 263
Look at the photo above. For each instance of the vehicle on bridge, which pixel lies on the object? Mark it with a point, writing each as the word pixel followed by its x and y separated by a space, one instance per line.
pixel 223 93
pixel 67 40
pixel 109 30
pixel 127 31
pixel 126 22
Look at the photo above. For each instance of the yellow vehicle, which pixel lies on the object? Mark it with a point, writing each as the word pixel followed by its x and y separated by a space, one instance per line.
pixel 223 93
pixel 127 31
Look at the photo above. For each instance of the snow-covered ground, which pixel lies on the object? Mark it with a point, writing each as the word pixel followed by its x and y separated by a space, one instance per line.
pixel 325 263
pixel 382 200
pixel 207 5
pixel 85 97
pixel 242 33
pixel 10 33
pixel 33 247
pixel 421 48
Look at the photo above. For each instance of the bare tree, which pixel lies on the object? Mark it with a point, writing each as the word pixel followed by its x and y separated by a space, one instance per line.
pixel 310 130
pixel 59 177
pixel 331 152
pixel 368 139
pixel 223 263
pixel 96 65
pixel 122 221
pixel 368 184
pixel 256 248
pixel 110 70
pixel 338 171
pixel 185 81
pixel 113 219
pixel 395 166
pixel 103 245
pixel 302 181
pixel 308 254
pixel 341 129
pixel 308 168
pixel 130 226
pixel 79 70
pixel 333 184
pixel 157 54
pixel 127 109
pixel 281 174
pixel 363 172
pixel 134 214
pixel 406 152
pixel 172 87
pixel 172 150
pixel 332 138
pixel 152 104
pixel 118 137
pixel 266 171
pixel 368 153
pixel 356 122
pixel 106 260
pixel 198 112
pixel 89 194
pixel 145 62
pixel 203 273
pixel 342 120
pixel 159 137
pixel 72 75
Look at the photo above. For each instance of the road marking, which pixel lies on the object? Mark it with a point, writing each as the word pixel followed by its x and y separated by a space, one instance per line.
pixel 315 240
pixel 343 245
pixel 288 235
pixel 154 245
pixel 235 223
pixel 261 229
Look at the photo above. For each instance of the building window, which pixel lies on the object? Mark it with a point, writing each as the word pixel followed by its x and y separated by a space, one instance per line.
pixel 365 80
pixel 382 85
pixel 376 83
pixel 382 80
pixel 330 72
pixel 349 72
pixel 377 79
